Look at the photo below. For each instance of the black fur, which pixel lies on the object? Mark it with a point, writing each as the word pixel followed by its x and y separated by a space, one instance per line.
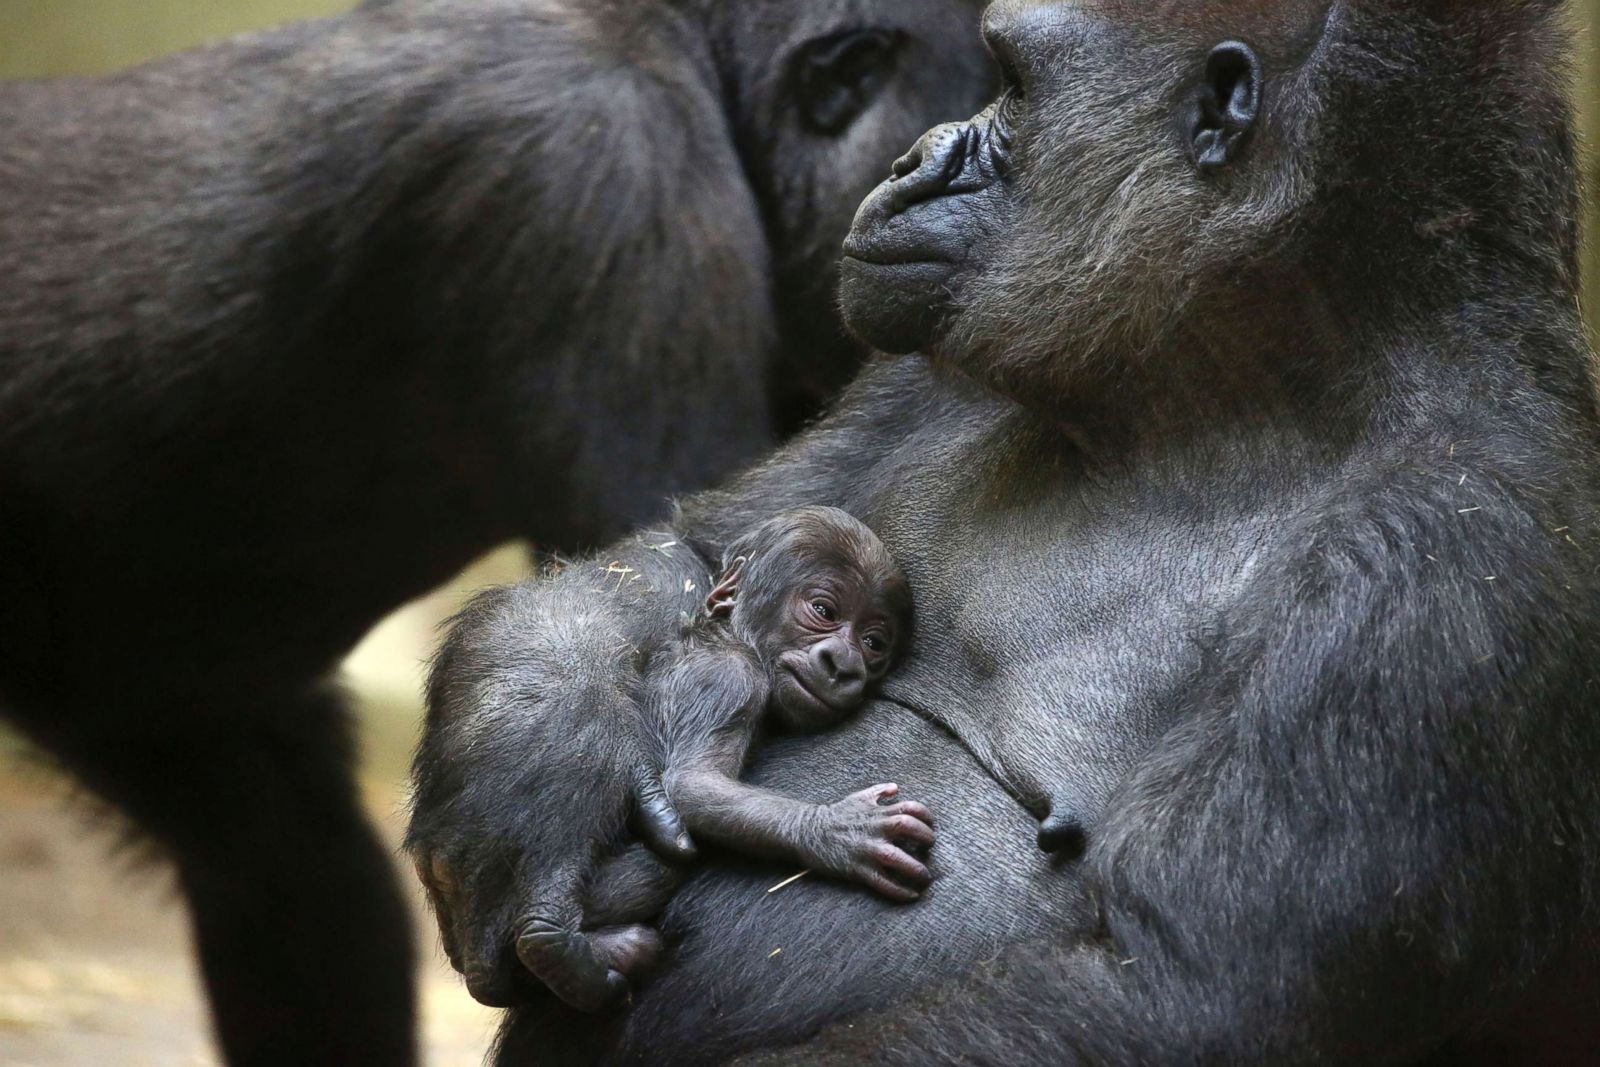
pixel 294 326
pixel 1250 507
pixel 761 658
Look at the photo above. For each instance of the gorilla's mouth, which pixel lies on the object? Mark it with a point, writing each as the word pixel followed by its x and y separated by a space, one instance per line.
pixel 876 255
pixel 799 680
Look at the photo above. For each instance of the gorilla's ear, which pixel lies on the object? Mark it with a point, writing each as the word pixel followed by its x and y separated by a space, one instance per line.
pixel 720 601
pixel 1226 105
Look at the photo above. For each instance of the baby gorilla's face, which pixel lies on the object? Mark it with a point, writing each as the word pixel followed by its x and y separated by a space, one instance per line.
pixel 837 637
pixel 823 603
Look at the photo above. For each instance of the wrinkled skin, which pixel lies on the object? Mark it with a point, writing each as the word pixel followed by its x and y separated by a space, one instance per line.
pixel 824 606
pixel 1247 492
pixel 294 326
pixel 919 232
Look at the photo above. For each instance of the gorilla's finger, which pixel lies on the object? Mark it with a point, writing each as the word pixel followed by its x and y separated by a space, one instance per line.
pixel 659 823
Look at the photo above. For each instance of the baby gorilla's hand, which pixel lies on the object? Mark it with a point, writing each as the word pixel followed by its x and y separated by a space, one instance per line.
pixel 863 838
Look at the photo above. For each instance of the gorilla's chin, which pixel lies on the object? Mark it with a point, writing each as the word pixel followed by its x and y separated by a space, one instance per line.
pixel 897 308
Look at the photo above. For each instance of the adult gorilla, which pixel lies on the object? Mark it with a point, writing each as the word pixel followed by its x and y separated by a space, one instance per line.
pixel 292 327
pixel 1248 499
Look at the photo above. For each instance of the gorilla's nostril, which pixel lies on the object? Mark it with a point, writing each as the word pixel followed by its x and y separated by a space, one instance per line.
pixel 906 164
pixel 932 165
pixel 1063 835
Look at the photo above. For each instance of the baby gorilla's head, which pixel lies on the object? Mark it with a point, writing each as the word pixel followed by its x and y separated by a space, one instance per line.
pixel 824 605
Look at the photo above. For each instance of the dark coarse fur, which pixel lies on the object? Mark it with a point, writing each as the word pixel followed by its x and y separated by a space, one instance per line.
pixel 293 326
pixel 1276 561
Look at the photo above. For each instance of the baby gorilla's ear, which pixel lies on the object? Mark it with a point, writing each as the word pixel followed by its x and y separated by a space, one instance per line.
pixel 719 602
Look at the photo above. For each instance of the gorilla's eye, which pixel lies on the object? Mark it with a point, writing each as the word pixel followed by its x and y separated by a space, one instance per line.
pixel 1011 84
pixel 837 77
pixel 875 644
pixel 823 610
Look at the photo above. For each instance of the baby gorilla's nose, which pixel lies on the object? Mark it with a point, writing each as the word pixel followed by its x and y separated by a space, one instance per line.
pixel 844 669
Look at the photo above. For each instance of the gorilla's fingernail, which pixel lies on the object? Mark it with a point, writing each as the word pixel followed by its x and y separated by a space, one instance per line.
pixel 685 843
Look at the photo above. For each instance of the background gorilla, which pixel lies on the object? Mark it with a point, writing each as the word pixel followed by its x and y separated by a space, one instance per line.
pixel 513 268
pixel 1248 501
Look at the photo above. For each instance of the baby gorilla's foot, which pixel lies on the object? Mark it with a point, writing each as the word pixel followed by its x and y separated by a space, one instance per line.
pixel 864 838
pixel 628 950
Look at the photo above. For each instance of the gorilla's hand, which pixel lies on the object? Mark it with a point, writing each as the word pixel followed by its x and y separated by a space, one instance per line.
pixel 510 904
pixel 533 764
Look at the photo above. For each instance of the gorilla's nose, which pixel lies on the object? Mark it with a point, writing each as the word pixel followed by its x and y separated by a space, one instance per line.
pixel 845 671
pixel 1063 834
pixel 935 161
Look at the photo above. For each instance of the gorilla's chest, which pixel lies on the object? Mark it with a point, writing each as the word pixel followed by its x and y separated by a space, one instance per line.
pixel 1060 606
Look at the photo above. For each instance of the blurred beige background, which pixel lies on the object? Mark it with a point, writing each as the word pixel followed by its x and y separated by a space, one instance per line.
pixel 94 966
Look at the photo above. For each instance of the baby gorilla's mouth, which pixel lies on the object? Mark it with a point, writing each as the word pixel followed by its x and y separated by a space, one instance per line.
pixel 805 687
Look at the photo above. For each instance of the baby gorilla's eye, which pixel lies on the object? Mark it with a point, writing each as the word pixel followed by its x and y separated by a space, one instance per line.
pixel 875 644
pixel 823 610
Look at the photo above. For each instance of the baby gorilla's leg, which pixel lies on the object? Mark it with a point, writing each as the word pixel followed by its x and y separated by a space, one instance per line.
pixel 866 840
pixel 631 887
pixel 630 890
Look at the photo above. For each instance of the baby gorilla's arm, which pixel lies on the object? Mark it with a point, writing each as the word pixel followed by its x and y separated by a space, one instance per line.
pixel 711 705
pixel 860 838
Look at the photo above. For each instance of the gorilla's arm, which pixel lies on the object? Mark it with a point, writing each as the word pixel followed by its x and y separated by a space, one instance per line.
pixel 1363 833
pixel 533 733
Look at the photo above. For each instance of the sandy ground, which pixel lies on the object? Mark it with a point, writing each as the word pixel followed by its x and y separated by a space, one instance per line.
pixel 95 966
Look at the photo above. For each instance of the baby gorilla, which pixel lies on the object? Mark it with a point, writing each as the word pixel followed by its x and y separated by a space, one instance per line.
pixel 807 616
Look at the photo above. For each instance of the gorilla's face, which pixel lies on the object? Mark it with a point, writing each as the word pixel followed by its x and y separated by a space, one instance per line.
pixel 820 93
pixel 1127 163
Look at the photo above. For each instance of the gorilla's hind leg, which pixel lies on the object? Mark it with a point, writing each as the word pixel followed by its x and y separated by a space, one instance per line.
pixel 303 936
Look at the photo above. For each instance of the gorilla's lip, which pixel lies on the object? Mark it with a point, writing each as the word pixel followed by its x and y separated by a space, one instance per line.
pixel 879 256
pixel 805 688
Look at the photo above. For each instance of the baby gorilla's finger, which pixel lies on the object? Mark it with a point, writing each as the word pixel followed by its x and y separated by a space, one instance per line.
pixel 658 821
pixel 887 887
pixel 874 794
pixel 899 862
pixel 907 828
pixel 565 960
pixel 911 808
